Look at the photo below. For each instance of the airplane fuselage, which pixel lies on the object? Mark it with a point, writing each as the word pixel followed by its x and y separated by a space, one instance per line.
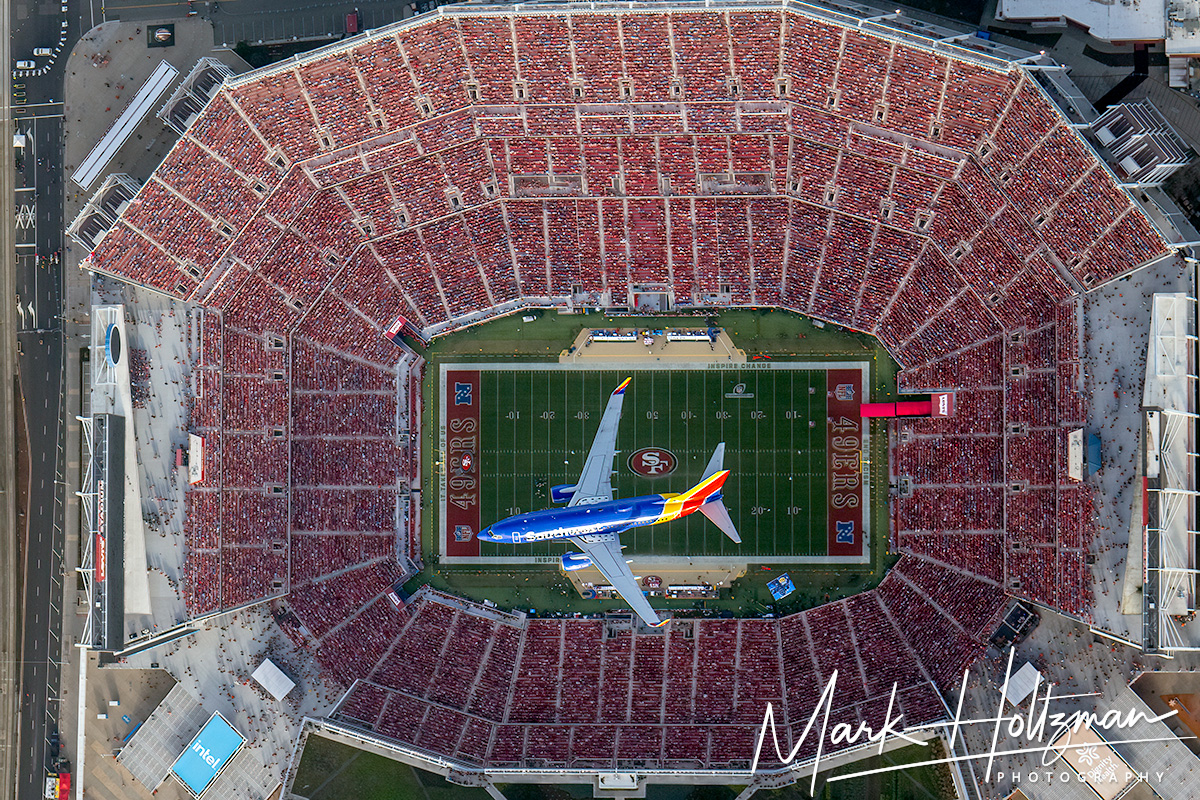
pixel 593 521
pixel 610 516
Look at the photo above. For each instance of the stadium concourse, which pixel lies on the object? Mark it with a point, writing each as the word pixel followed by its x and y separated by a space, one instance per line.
pixel 465 164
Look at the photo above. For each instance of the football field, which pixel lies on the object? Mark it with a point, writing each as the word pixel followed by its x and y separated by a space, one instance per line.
pixel 793 447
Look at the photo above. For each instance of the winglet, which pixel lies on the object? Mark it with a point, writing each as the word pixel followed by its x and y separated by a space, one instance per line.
pixel 660 624
pixel 621 389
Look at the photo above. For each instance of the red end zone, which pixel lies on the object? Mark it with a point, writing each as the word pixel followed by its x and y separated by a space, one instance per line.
pixel 844 443
pixel 461 488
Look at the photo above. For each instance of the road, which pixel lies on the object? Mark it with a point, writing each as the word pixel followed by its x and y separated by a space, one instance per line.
pixel 40 178
pixel 39 236
pixel 10 624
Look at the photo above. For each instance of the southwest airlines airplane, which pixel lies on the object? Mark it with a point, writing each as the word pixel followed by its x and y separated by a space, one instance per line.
pixel 592 519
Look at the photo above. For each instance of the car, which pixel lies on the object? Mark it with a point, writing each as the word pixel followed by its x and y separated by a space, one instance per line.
pixel 64 8
pixel 64 24
pixel 43 51
pixel 26 65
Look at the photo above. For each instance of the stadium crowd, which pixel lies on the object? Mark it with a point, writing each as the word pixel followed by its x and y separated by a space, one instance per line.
pixel 463 165
pixel 464 681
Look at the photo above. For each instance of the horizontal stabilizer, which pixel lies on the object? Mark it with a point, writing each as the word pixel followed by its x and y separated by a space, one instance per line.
pixel 717 514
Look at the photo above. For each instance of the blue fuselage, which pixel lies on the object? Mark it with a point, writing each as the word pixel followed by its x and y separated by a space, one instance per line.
pixel 612 516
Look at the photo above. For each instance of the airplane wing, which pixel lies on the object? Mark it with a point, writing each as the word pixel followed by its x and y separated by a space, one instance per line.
pixel 605 552
pixel 594 484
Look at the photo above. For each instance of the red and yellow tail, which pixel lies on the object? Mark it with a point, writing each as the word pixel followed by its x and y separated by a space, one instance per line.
pixel 683 504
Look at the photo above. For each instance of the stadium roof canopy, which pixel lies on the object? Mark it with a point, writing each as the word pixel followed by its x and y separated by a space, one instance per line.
pixel 104 151
pixel 1168 401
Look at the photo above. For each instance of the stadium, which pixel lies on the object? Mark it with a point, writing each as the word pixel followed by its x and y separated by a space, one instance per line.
pixel 327 227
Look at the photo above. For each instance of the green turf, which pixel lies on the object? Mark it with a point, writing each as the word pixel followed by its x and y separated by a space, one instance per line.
pixel 779 336
pixel 537 426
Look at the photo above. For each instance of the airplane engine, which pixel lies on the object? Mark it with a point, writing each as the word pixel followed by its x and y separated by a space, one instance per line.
pixel 563 492
pixel 574 561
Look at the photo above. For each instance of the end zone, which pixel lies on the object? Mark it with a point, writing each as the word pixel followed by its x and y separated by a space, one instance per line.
pixel 846 442
pixel 459 434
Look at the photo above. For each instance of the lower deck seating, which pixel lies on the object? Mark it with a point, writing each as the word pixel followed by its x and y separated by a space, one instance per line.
pixel 579 692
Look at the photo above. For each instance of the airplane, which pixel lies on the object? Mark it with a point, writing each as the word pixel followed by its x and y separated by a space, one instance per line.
pixel 593 521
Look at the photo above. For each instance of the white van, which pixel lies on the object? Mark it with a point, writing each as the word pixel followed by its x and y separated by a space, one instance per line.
pixel 26 65
pixel 43 51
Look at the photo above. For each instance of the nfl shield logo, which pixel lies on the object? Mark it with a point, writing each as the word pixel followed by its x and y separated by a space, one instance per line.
pixel 844 392
pixel 463 533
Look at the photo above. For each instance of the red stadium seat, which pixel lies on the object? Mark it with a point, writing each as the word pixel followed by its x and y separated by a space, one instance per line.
pixel 472 162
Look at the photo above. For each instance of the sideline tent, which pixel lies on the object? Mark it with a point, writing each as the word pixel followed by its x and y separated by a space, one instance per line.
pixel 1022 683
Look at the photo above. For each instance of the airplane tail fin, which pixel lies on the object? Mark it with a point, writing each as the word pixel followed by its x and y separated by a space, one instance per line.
pixel 707 489
pixel 712 507
pixel 714 463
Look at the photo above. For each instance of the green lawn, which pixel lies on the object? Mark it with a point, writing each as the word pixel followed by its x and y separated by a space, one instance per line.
pixel 537 426
pixel 331 770
pixel 911 783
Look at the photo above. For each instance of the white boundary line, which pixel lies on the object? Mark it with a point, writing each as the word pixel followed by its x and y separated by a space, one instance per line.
pixel 702 561
pixel 617 366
